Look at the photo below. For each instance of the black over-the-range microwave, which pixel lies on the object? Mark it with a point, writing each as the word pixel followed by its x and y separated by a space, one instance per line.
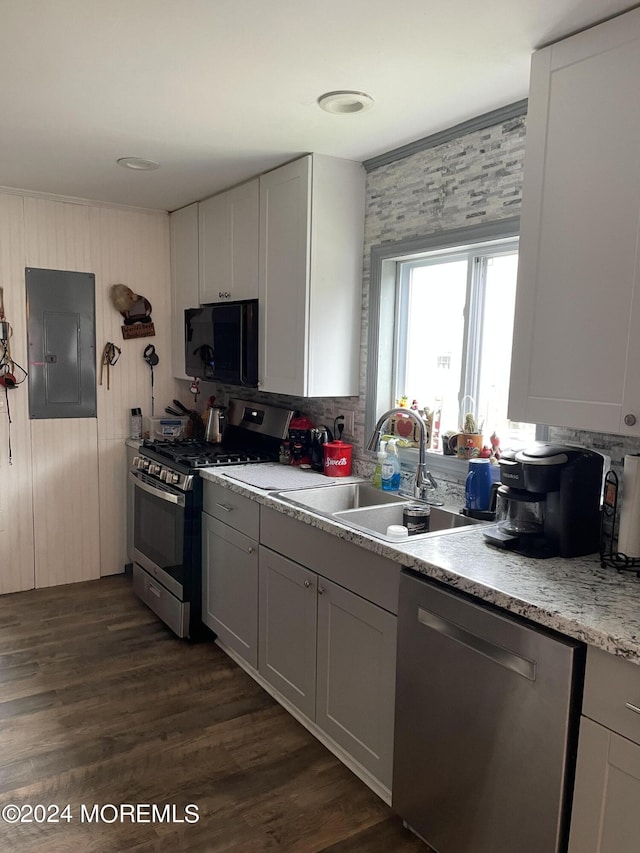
pixel 221 342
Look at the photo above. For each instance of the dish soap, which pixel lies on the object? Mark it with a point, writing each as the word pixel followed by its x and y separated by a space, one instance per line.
pixel 376 480
pixel 391 469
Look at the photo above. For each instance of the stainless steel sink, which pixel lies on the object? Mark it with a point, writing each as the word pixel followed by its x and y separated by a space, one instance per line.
pixel 365 508
pixel 375 520
pixel 330 499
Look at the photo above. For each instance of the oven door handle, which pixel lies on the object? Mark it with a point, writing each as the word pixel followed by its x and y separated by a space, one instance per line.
pixel 157 493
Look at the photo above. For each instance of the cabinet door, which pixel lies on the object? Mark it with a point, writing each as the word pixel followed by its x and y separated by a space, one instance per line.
pixel 357 677
pixel 230 587
pixel 285 198
pixel 287 654
pixel 184 279
pixel 605 816
pixel 576 340
pixel 229 245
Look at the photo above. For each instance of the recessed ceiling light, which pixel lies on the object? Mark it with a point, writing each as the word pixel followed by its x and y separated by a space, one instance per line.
pixel 139 164
pixel 345 102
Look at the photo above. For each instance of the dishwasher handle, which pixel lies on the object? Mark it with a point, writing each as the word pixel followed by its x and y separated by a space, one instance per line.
pixel 508 659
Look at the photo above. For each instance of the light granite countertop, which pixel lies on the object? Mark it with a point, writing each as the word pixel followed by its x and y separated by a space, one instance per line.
pixel 575 597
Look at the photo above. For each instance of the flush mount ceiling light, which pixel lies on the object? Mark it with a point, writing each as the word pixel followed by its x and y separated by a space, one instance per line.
pixel 345 102
pixel 139 164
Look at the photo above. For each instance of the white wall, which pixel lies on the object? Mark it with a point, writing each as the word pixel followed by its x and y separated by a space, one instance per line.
pixel 63 500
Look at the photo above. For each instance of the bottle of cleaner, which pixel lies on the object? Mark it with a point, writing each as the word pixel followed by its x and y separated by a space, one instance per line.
pixel 376 480
pixel 391 469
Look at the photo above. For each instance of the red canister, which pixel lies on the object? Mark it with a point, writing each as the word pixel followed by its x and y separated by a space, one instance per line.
pixel 337 458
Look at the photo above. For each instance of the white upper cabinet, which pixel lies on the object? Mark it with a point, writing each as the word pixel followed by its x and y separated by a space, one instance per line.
pixel 311 245
pixel 184 279
pixel 576 346
pixel 229 245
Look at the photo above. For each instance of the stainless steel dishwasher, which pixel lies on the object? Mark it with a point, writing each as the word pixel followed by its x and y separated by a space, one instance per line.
pixel 487 711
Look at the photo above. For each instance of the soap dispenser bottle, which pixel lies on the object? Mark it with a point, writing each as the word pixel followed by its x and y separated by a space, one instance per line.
pixel 376 480
pixel 391 469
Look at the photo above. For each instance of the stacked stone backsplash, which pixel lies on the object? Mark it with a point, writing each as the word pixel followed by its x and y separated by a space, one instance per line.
pixel 472 179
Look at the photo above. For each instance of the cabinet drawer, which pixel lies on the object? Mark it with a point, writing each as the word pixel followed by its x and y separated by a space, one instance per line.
pixel 233 509
pixel 171 610
pixel 612 693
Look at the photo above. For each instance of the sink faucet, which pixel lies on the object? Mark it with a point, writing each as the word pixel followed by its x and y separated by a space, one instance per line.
pixel 425 480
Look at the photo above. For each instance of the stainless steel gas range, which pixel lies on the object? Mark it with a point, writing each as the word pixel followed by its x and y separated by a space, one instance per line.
pixel 167 568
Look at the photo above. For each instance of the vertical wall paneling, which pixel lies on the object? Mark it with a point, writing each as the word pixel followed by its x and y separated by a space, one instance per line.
pixel 65 500
pixel 65 516
pixel 64 452
pixel 16 510
pixel 132 248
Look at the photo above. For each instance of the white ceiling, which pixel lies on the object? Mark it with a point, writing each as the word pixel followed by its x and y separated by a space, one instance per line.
pixel 220 90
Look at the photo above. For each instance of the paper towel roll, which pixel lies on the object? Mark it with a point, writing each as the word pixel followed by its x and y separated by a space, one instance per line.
pixel 629 533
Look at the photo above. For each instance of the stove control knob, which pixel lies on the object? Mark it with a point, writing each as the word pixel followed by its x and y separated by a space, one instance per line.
pixel 163 474
pixel 135 461
pixel 145 464
pixel 175 478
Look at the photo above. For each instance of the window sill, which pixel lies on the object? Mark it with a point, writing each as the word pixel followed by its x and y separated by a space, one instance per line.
pixel 445 467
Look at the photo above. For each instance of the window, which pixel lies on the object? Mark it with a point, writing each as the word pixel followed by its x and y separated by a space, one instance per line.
pixel 442 313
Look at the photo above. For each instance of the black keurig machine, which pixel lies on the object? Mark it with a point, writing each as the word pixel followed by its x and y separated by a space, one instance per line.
pixel 548 503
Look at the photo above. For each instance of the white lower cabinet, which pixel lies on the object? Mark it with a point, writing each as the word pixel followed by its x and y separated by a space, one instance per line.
pixel 288 623
pixel 356 664
pixel 332 654
pixel 606 802
pixel 606 813
pixel 230 587
pixel 313 617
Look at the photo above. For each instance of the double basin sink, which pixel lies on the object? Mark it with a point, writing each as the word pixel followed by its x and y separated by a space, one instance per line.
pixel 370 510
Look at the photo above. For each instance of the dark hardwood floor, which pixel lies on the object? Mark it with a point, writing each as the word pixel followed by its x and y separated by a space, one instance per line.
pixel 101 704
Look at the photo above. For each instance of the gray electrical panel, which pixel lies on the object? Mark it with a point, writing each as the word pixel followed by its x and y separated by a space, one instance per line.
pixel 61 337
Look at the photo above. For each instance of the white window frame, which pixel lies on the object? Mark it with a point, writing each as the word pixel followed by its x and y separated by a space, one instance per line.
pixel 385 303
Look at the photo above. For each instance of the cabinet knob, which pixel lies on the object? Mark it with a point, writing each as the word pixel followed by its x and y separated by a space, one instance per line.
pixel 249 550
pixel 307 584
pixel 219 294
pixel 630 420
pixel 320 590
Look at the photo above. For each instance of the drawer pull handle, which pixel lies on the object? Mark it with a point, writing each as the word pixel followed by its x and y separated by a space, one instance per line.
pixel 154 590
pixel 631 707
pixel 225 507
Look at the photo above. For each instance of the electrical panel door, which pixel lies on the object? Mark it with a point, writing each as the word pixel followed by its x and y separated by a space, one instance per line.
pixel 61 332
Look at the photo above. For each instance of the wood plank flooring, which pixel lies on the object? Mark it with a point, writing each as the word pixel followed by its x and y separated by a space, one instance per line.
pixel 101 704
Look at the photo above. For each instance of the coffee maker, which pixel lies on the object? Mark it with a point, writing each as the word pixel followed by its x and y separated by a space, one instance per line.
pixel 548 503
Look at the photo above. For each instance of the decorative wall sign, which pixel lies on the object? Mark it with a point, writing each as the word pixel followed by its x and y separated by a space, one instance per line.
pixel 138 330
pixel 136 311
